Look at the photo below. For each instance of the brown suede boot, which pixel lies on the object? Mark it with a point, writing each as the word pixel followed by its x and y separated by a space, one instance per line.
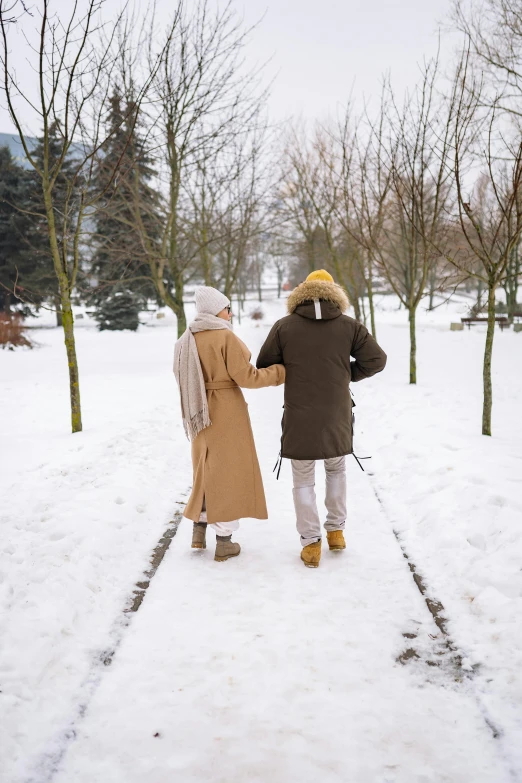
pixel 311 554
pixel 336 540
pixel 226 548
pixel 199 532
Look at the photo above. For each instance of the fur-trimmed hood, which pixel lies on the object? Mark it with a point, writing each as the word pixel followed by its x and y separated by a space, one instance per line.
pixel 318 289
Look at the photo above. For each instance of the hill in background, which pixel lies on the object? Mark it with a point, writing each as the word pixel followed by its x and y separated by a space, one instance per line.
pixel 15 145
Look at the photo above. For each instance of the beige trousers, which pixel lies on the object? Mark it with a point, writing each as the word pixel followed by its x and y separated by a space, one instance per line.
pixel 308 522
pixel 219 528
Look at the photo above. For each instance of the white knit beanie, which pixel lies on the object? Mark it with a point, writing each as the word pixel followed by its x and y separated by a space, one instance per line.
pixel 209 300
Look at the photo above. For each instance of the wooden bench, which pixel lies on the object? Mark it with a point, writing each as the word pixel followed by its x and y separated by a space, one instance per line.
pixel 501 320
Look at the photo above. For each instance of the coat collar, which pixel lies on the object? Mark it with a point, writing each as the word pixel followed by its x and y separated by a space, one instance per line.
pixel 321 290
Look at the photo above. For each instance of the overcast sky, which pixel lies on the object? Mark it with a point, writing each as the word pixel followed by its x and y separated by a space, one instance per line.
pixel 321 50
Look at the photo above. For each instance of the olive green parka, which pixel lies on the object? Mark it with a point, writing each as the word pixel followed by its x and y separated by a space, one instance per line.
pixel 323 351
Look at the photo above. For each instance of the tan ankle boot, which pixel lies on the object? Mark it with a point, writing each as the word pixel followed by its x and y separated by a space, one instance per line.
pixel 199 532
pixel 311 554
pixel 226 548
pixel 336 540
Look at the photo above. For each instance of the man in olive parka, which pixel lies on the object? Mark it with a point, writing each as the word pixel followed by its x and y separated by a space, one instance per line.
pixel 323 350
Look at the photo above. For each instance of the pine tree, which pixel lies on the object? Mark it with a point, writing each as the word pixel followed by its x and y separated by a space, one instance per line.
pixel 20 255
pixel 119 257
pixel 120 310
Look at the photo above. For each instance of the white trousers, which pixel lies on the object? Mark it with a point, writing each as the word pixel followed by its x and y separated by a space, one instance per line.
pixel 220 528
pixel 308 522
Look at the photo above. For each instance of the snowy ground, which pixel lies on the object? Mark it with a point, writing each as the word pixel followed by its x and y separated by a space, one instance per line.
pixel 259 669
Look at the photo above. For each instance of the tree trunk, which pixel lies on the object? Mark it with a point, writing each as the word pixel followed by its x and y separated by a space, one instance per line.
pixel 7 303
pixel 369 288
pixel 310 256
pixel 207 276
pixel 58 305
pixel 279 283
pixel 510 301
pixel 432 287
pixel 488 353
pixel 174 301
pixel 67 316
pixel 230 278
pixel 352 297
pixel 179 306
pixel 206 260
pixel 178 309
pixel 362 309
pixel 511 283
pixel 413 346
pixel 74 376
pixel 479 296
pixel 371 306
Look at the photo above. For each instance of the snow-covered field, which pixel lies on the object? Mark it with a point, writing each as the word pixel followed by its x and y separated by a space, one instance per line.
pixel 259 669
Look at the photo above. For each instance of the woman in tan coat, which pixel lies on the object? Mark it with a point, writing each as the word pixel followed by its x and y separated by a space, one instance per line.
pixel 211 364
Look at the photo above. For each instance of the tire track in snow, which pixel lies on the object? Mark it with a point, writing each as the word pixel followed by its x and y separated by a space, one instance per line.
pixel 48 764
pixel 435 607
pixel 439 616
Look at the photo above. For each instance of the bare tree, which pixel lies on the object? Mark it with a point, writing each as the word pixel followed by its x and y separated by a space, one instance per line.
pixel 490 212
pixel 206 193
pixel 246 216
pixel 300 173
pixel 278 253
pixel 493 31
pixel 74 61
pixel 203 99
pixel 511 282
pixel 416 227
pixel 365 188
pixel 312 195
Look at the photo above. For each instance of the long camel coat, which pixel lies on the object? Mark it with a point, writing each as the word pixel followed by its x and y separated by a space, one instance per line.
pixel 224 459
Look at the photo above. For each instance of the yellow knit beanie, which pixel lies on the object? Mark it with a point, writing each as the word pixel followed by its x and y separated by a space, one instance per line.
pixel 321 274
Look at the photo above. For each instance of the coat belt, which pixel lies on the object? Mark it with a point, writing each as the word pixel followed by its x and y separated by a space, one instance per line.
pixel 215 385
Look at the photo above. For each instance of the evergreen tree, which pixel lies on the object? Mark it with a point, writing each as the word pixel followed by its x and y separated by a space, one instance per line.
pixel 120 310
pixel 20 255
pixel 119 256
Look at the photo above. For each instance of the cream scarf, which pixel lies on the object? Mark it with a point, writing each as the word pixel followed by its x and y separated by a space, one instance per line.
pixel 189 375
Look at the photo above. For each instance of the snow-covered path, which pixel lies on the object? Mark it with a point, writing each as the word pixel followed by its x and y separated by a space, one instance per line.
pixel 262 670
pixel 258 669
